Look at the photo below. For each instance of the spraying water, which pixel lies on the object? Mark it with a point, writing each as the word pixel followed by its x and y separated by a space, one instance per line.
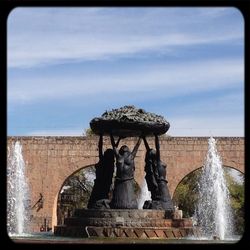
pixel 90 176
pixel 213 209
pixel 17 192
pixel 144 195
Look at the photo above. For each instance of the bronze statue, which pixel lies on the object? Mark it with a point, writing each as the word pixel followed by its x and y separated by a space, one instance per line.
pixel 124 194
pixel 156 179
pixel 99 197
pixel 129 121
pixel 150 169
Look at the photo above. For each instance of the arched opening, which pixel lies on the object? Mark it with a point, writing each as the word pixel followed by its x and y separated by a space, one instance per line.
pixel 76 190
pixel 186 194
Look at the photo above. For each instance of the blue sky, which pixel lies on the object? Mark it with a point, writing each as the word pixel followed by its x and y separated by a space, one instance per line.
pixel 69 65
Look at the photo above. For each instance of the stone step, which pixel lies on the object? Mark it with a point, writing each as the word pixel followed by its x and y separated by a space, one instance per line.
pixel 126 213
pixel 144 222
pixel 127 232
pixel 120 221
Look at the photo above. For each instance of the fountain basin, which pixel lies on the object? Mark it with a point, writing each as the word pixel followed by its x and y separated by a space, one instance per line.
pixel 126 223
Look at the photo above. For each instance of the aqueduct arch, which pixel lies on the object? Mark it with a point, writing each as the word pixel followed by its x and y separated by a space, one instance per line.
pixel 183 174
pixel 195 169
pixel 51 160
pixel 61 182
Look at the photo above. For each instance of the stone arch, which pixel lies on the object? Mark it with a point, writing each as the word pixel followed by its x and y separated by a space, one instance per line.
pixel 233 164
pixel 175 178
pixel 183 178
pixel 77 170
pixel 197 168
pixel 70 169
pixel 59 187
pixel 56 158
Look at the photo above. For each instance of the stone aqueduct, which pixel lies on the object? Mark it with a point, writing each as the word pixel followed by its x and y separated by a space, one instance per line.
pixel 51 160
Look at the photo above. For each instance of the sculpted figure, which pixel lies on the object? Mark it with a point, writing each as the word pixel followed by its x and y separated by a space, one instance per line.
pixel 124 194
pixel 156 178
pixel 99 197
pixel 150 169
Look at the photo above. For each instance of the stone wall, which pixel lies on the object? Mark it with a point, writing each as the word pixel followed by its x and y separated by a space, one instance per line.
pixel 51 160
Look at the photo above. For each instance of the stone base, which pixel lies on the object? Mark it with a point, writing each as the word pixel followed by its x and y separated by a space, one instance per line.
pixel 127 232
pixel 125 223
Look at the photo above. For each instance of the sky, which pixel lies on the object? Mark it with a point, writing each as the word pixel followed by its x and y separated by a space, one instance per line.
pixel 69 65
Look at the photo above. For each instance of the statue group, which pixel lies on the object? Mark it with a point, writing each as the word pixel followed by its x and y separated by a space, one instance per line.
pixel 112 209
pixel 123 195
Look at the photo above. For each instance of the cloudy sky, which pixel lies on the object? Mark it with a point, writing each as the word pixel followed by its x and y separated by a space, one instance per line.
pixel 68 65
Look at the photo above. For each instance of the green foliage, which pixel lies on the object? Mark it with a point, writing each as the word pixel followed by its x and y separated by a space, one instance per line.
pixel 89 132
pixel 76 195
pixel 237 197
pixel 186 195
pixel 165 135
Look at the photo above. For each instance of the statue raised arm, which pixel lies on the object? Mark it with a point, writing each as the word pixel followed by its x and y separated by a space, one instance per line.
pixel 146 143
pixel 99 197
pixel 157 147
pixel 100 145
pixel 115 145
pixel 136 147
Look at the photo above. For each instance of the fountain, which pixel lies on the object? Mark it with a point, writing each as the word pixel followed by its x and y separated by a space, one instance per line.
pixel 213 210
pixel 18 192
pixel 144 195
pixel 121 216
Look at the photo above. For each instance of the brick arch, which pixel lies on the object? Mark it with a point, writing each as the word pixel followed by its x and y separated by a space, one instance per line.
pixel 175 176
pixel 74 172
pixel 173 185
pixel 63 178
pixel 233 164
pixel 69 170
pixel 225 164
pixel 50 160
pixel 78 167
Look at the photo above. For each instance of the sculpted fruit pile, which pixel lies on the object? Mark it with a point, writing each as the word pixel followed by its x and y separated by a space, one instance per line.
pixel 129 121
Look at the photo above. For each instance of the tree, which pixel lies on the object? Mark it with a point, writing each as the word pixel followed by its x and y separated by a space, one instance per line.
pixel 237 198
pixel 75 193
pixel 186 193
pixel 89 132
pixel 186 196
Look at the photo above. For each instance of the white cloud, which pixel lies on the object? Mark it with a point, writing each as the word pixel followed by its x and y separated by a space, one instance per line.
pixel 47 36
pixel 168 80
pixel 179 126
pixel 51 37
pixel 59 50
pixel 212 116
pixel 207 126
pixel 214 106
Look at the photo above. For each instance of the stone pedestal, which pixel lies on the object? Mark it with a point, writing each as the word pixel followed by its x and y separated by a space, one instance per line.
pixel 125 223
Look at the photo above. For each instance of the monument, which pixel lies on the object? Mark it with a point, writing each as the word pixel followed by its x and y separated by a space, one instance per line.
pixel 118 216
